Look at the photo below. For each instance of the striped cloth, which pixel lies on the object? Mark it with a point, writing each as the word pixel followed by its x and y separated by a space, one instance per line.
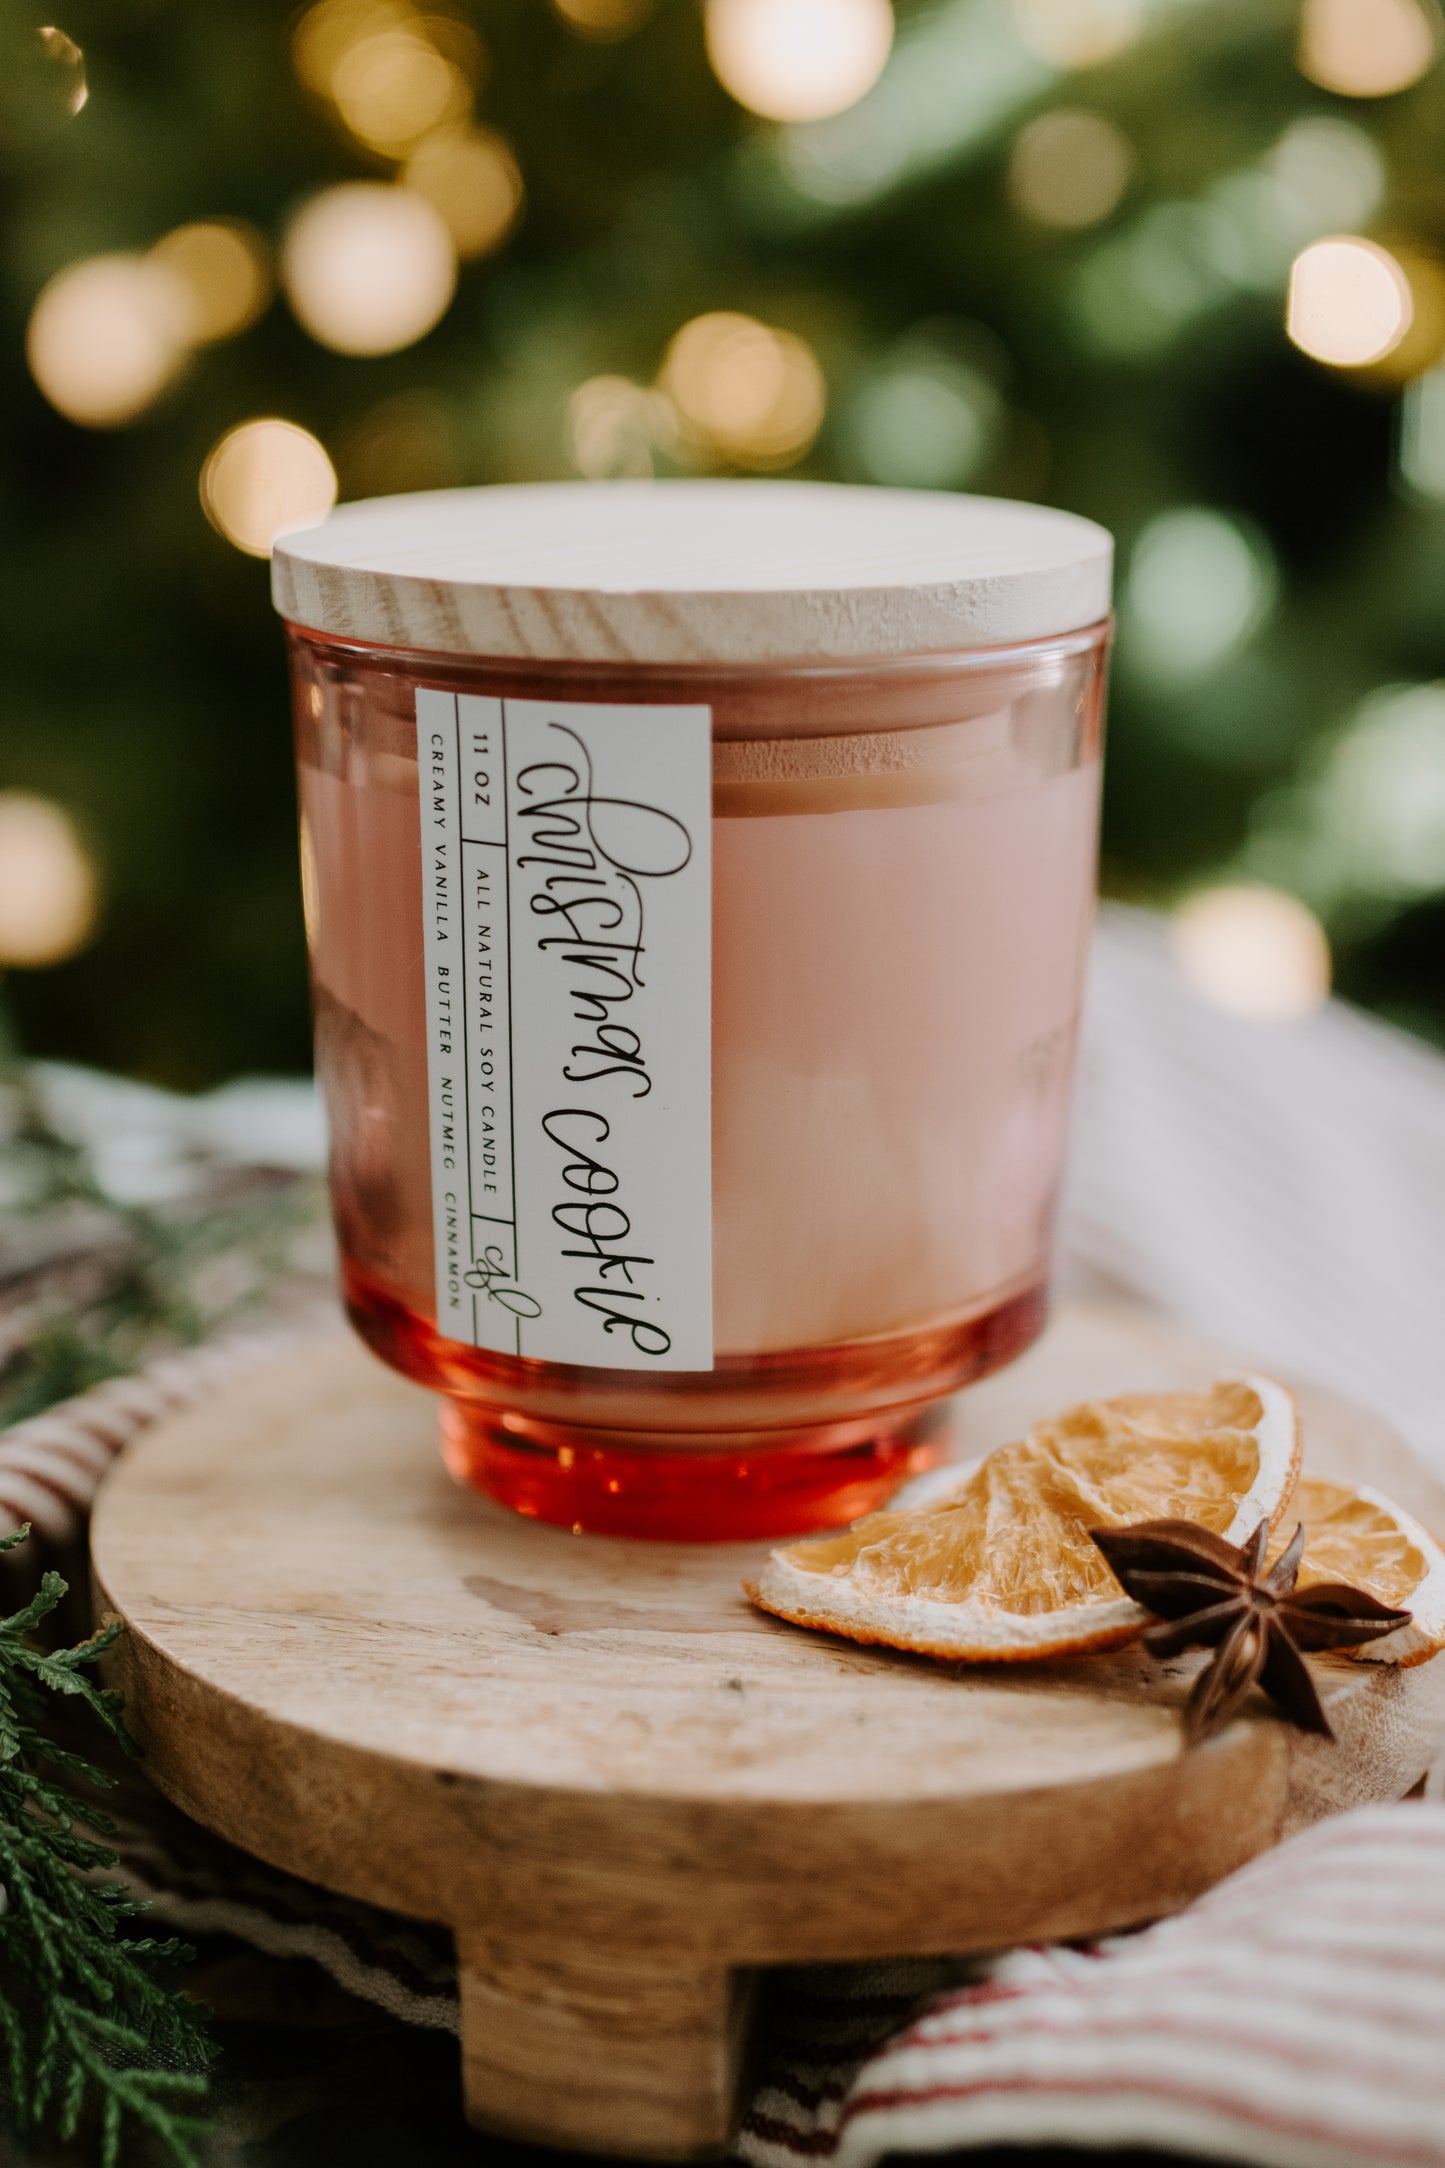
pixel 51 1465
pixel 1293 2018
pixel 200 1885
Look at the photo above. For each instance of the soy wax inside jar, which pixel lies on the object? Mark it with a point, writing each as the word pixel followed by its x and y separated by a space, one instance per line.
pixel 699 1087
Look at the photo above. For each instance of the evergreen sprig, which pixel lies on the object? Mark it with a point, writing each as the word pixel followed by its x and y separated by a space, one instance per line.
pixel 86 2023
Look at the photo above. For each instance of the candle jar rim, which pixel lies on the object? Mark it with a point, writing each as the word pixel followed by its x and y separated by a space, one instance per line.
pixel 803 697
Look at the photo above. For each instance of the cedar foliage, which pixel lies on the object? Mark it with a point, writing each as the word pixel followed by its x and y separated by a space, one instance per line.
pixel 91 2031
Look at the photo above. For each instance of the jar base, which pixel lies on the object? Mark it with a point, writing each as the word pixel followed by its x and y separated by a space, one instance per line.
pixel 761 1445
pixel 787 1486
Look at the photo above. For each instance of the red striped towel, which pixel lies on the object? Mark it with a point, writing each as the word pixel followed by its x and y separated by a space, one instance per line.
pixel 1293 2018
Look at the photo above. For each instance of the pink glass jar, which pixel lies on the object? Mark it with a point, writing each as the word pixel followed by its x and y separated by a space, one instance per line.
pixel 698 882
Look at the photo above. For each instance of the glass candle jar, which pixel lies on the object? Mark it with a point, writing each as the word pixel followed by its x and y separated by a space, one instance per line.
pixel 698 880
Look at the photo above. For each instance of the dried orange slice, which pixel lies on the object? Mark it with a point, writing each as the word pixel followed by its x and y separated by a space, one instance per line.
pixel 1002 1566
pixel 1363 1538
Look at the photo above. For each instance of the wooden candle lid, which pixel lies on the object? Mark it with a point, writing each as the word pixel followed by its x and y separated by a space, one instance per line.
pixel 693 572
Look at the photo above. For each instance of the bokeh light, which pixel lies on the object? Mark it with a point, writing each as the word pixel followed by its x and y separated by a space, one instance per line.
pixel 926 419
pixel 1077 33
pixel 1422 343
pixel 262 476
pixel 225 269
pixel 1422 435
pixel 472 179
pixel 1142 286
pixel 1360 830
pixel 48 890
pixel 68 61
pixel 1252 950
pixel 393 87
pixel 369 268
pixel 604 20
pixel 1199 584
pixel 1349 302
pixel 1366 48
pixel 753 396
pixel 798 59
pixel 1384 793
pixel 614 427
pixel 391 73
pixel 106 336
pixel 1332 170
pixel 1069 168
pixel 327 32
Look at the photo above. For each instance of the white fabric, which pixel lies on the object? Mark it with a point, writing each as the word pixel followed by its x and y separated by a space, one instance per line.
pixel 147 1145
pixel 1279 1186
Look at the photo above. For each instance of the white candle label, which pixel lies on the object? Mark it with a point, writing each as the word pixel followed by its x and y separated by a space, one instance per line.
pixel 567 919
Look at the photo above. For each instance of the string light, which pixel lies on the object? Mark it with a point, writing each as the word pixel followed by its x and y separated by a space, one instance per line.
pixel 106 336
pixel 393 74
pixel 472 179
pixel 1366 48
pixel 1349 302
pixel 1366 825
pixel 615 426
pixel 1383 794
pixel 65 55
pixel 393 87
pixel 1077 33
pixel 1254 951
pixel 327 31
pixel 48 887
pixel 1422 343
pixel 263 476
pixel 369 268
pixel 1422 435
pixel 1199 584
pixel 224 267
pixel 925 420
pixel 1069 168
pixel 604 20
pixel 1331 169
pixel 798 59
pixel 752 395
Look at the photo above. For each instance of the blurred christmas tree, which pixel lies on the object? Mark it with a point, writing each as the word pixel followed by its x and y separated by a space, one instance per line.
pixel 1169 262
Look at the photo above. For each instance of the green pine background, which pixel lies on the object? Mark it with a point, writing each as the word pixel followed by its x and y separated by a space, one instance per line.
pixel 1137 370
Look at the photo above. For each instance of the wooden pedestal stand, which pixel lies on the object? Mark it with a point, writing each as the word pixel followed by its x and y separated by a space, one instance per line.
pixel 624 1788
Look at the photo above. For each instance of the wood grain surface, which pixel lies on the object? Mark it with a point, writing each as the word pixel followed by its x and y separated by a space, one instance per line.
pixel 687 571
pixel 619 1783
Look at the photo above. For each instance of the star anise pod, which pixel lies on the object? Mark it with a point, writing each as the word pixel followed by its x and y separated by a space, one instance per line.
pixel 1206 1593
